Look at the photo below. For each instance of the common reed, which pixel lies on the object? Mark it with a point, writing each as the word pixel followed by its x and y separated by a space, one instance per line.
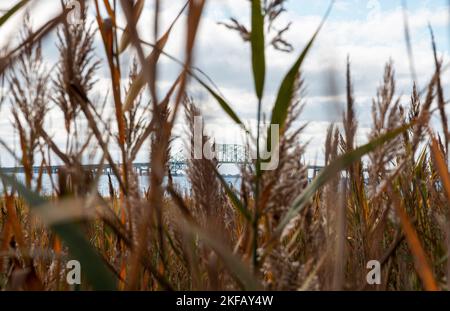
pixel 385 200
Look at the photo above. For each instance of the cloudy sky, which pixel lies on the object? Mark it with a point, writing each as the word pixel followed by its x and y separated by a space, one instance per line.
pixel 370 32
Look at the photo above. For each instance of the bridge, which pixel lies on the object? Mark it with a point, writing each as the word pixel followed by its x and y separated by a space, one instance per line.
pixel 224 154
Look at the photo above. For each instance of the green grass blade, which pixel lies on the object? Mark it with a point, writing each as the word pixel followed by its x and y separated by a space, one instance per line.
pixel 258 48
pixel 92 264
pixel 330 171
pixel 286 90
pixel 225 106
pixel 12 11
pixel 233 197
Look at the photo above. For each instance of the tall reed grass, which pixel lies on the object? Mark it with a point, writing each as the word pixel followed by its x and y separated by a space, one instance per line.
pixel 386 200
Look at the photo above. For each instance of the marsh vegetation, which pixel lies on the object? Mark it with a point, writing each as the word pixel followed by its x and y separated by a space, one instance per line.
pixel 385 200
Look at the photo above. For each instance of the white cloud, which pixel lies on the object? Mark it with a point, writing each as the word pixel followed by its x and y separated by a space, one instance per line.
pixel 370 42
